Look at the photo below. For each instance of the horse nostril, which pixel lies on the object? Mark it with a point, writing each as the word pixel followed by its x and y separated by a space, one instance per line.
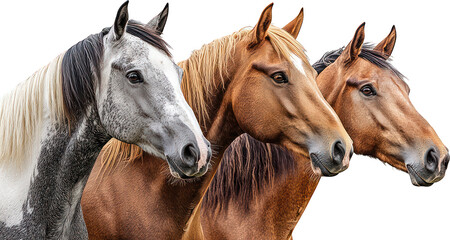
pixel 338 152
pixel 190 154
pixel 431 160
pixel 445 161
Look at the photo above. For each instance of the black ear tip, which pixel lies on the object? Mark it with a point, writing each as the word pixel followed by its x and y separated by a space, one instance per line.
pixel 300 13
pixel 167 5
pixel 361 28
pixel 270 6
pixel 123 7
pixel 121 20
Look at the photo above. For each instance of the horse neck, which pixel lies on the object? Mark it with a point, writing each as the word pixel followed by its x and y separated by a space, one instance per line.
pixel 274 211
pixel 288 199
pixel 185 198
pixel 64 164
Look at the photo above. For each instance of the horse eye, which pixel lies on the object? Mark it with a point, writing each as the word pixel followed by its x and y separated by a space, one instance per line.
pixel 368 90
pixel 279 77
pixel 134 77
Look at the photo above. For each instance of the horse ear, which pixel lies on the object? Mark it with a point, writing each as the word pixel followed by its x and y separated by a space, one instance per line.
pixel 159 21
pixel 260 30
pixel 294 26
pixel 120 23
pixel 387 45
pixel 353 49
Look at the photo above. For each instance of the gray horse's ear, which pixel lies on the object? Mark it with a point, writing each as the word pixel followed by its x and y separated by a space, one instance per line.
pixel 120 23
pixel 159 21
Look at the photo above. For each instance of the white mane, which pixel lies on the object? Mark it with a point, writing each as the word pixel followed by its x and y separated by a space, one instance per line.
pixel 22 111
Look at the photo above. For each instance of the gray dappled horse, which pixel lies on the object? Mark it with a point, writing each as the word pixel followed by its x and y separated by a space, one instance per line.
pixel 120 83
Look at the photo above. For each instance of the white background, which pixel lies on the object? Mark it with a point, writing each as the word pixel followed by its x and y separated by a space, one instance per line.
pixel 369 200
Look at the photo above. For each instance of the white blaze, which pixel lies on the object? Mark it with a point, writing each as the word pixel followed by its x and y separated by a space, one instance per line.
pixel 298 63
pixel 179 106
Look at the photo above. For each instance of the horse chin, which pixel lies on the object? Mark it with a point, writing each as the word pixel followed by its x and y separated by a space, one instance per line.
pixel 180 175
pixel 203 170
pixel 416 179
pixel 175 171
pixel 177 178
pixel 319 168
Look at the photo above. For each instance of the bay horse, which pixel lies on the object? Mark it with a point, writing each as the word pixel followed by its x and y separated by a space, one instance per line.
pixel 121 83
pixel 256 81
pixel 371 98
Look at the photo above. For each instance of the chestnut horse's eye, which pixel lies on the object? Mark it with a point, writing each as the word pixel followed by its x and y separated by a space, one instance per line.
pixel 134 77
pixel 368 90
pixel 279 77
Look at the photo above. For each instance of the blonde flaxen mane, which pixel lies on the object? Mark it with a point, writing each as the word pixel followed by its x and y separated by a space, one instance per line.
pixel 22 112
pixel 204 72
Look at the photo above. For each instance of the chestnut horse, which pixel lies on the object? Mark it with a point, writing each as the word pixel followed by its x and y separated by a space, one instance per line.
pixel 254 81
pixel 370 97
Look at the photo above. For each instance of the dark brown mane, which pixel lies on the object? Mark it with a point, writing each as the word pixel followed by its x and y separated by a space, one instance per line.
pixel 148 35
pixel 242 173
pixel 367 53
pixel 81 65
